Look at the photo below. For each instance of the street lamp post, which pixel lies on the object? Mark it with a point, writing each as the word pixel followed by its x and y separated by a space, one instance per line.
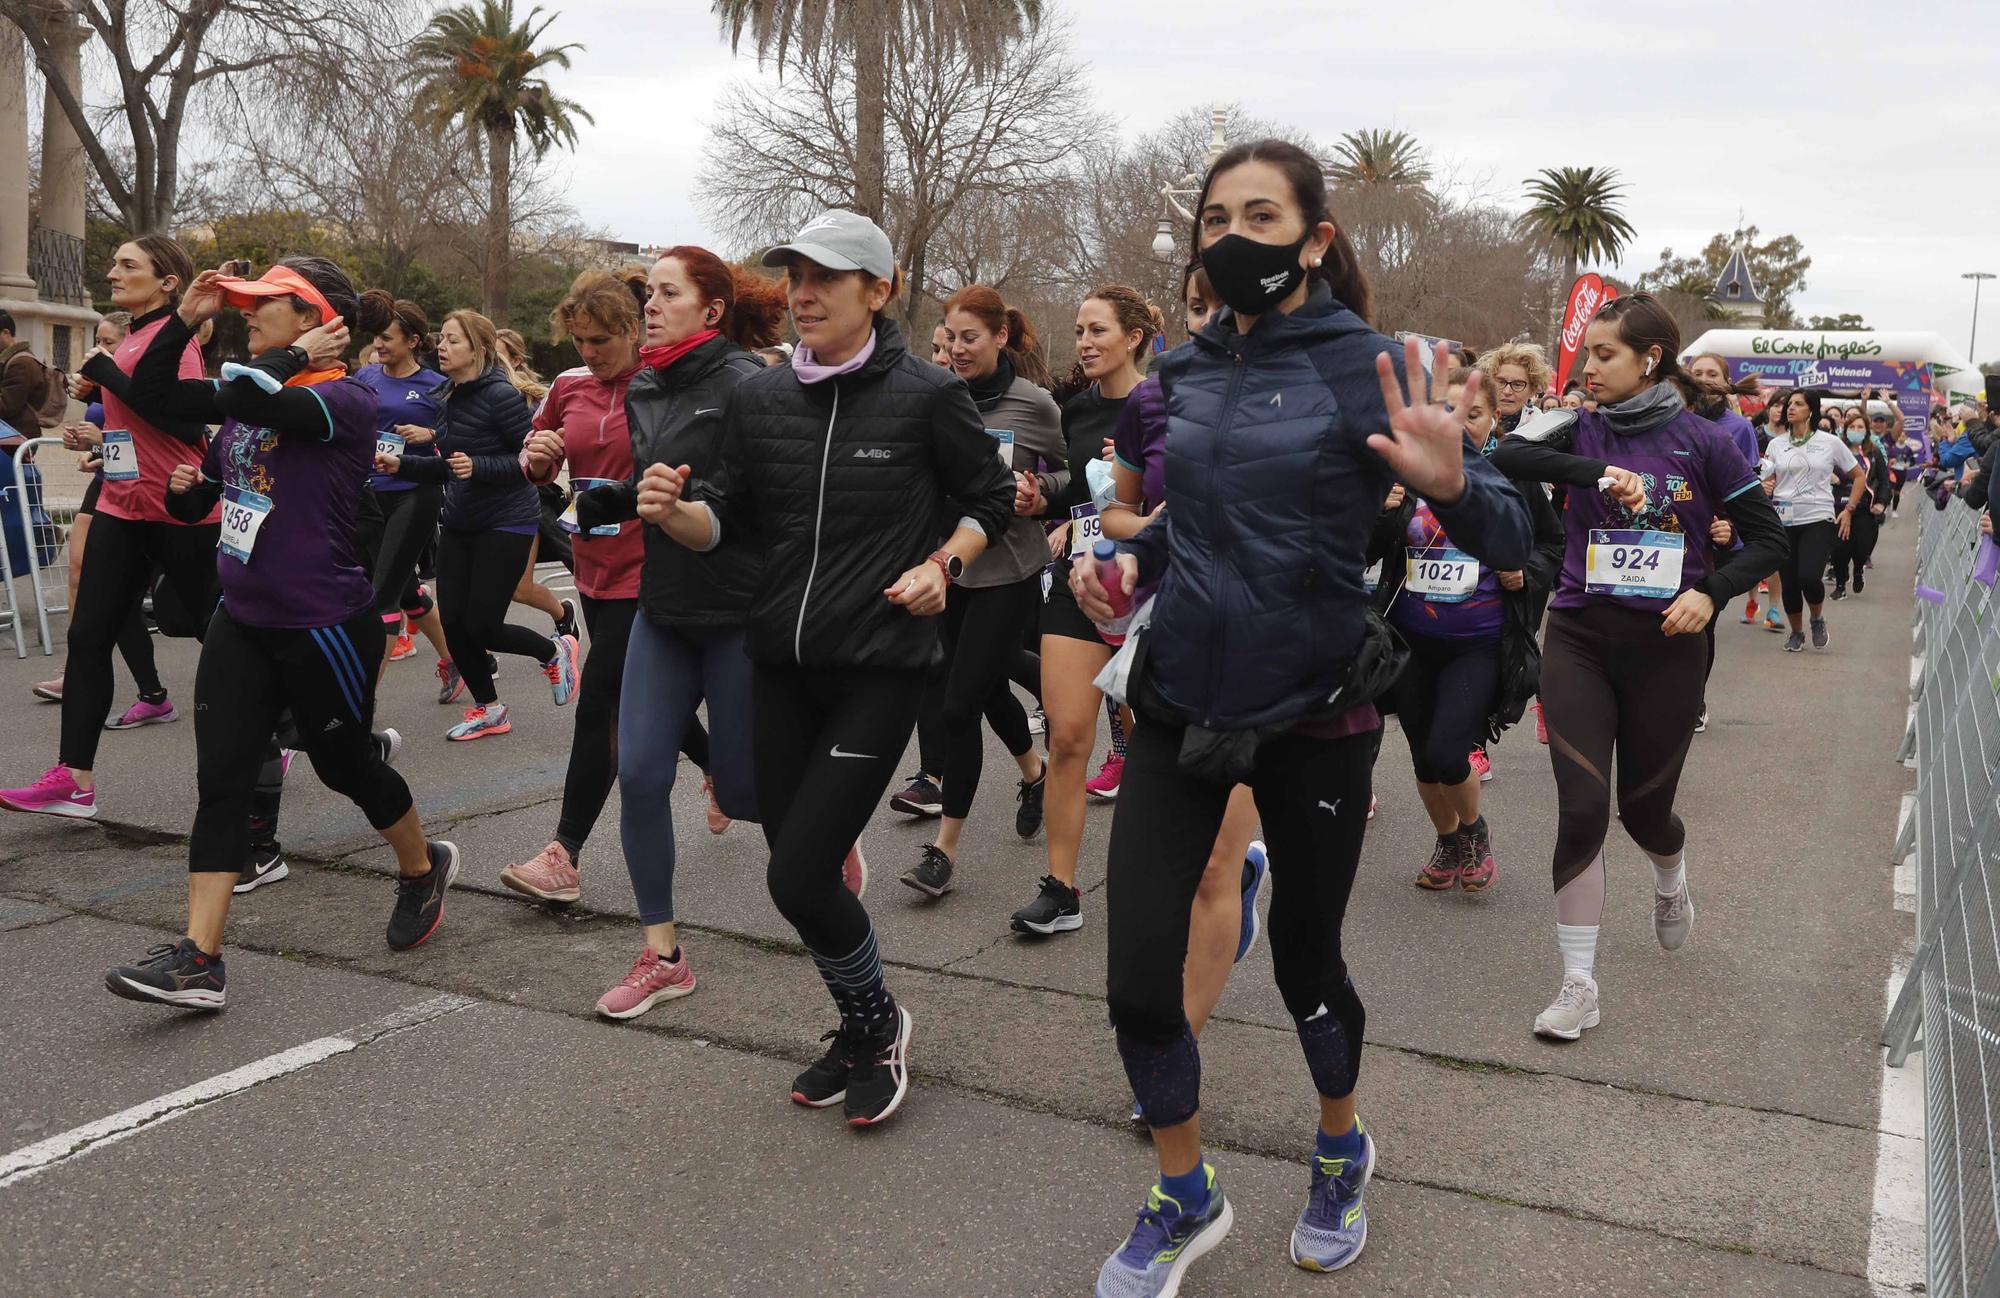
pixel 1977 277
pixel 1176 194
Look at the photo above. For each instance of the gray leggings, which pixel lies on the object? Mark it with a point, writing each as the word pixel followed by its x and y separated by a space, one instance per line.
pixel 669 671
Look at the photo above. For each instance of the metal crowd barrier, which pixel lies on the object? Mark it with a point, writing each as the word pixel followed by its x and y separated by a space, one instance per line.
pixel 49 581
pixel 1952 990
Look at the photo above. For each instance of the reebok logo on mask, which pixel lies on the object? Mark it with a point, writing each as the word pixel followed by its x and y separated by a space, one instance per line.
pixel 1249 276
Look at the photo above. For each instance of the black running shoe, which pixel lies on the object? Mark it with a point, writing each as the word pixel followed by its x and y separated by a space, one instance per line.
pixel 388 744
pixel 1860 583
pixel 923 798
pixel 173 973
pixel 1028 816
pixel 881 1074
pixel 420 901
pixel 1819 632
pixel 1057 908
pixel 825 1083
pixel 266 864
pixel 566 624
pixel 1840 592
pixel 931 874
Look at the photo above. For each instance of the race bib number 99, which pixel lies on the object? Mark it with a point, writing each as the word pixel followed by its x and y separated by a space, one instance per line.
pixel 1085 530
pixel 1442 575
pixel 1634 564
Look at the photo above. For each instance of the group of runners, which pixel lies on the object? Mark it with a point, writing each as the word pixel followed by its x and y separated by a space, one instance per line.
pixel 1290 528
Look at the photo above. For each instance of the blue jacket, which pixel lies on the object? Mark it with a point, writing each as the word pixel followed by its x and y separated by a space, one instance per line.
pixel 1272 494
pixel 487 418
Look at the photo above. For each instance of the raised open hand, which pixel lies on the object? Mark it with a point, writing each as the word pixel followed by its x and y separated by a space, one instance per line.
pixel 1425 442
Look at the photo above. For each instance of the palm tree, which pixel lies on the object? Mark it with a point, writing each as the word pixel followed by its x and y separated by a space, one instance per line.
pixel 1370 157
pixel 1576 208
pixel 480 71
pixel 862 31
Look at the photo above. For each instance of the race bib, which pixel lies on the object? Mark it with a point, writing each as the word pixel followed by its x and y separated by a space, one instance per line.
pixel 1634 564
pixel 1441 574
pixel 1787 510
pixel 390 443
pixel 1004 438
pixel 568 523
pixel 121 457
pixel 1371 576
pixel 243 515
pixel 1085 530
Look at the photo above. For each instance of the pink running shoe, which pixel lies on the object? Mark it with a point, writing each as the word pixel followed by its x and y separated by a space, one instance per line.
pixel 1541 724
pixel 854 871
pixel 550 876
pixel 1103 786
pixel 1480 765
pixel 717 822
pixel 653 979
pixel 143 713
pixel 1477 866
pixel 50 690
pixel 55 794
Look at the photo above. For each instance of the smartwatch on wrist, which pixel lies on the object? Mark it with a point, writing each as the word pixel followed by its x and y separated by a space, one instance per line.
pixel 950 565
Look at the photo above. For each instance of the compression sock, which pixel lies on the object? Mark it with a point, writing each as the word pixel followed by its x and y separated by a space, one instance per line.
pixel 1669 873
pixel 1117 727
pixel 1350 1145
pixel 1578 943
pixel 1189 1189
pixel 855 982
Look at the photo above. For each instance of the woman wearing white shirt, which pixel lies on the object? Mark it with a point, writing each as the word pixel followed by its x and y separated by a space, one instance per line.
pixel 1798 469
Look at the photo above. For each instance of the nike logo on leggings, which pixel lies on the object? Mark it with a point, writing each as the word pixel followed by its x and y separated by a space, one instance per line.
pixel 864 756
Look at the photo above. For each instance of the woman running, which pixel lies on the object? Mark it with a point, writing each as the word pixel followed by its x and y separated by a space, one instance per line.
pixel 1798 469
pixel 1852 552
pixel 399 517
pixel 1623 658
pixel 549 534
pixel 296 630
pixel 1474 663
pixel 838 468
pixel 1287 425
pixel 132 534
pixel 994 349
pixel 489 522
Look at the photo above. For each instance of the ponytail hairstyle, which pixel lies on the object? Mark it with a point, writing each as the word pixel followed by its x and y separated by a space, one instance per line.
pixel 379 310
pixel 1132 311
pixel 485 340
pixel 1643 324
pixel 522 375
pixel 1023 348
pixel 169 259
pixel 1340 270
pixel 753 307
pixel 610 300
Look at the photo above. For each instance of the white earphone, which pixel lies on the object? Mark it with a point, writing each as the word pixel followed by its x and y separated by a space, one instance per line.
pixel 1649 365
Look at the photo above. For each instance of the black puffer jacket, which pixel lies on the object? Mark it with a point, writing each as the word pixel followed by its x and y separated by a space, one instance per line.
pixel 675 418
pixel 841 484
pixel 488 419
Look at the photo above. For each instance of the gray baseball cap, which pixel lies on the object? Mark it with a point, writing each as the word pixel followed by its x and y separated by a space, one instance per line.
pixel 840 240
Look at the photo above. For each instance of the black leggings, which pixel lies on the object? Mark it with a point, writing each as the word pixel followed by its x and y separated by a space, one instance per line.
pixel 1312 795
pixel 477 573
pixel 826 744
pixel 1850 557
pixel 392 529
pixel 248 677
pixel 982 640
pixel 118 562
pixel 1804 568
pixel 1611 681
pixel 1444 697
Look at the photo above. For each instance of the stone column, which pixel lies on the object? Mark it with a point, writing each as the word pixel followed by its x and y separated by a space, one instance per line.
pixel 63 164
pixel 14 281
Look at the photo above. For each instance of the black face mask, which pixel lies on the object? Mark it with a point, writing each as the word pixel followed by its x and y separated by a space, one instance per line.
pixel 1252 277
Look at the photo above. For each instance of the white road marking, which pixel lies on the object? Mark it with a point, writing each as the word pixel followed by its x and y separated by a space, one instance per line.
pixel 77 1141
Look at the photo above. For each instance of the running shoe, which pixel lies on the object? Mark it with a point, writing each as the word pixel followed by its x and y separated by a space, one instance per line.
pixel 420 901
pixel 825 1083
pixel 1749 617
pixel 55 794
pixel 880 1077
pixel 1819 633
pixel 1103 786
pixel 1440 873
pixel 564 669
pixel 450 683
pixel 1028 816
pixel 1673 917
pixel 265 864
pixel 1701 721
pixel 1859 583
pixel 1481 764
pixel 931 875
pixel 1256 872
pixel 1333 1227
pixel 1839 591
pixel 1038 722
pixel 923 798
pixel 1372 804
pixel 1573 1010
pixel 388 744
pixel 1763 587
pixel 1541 724
pixel 566 624
pixel 50 690
pixel 1164 1243
pixel 653 979
pixel 1476 866
pixel 1057 908
pixel 481 722
pixel 549 876
pixel 405 647
pixel 144 713
pixel 1795 642
pixel 1773 620
pixel 173 973
pixel 718 823
pixel 854 871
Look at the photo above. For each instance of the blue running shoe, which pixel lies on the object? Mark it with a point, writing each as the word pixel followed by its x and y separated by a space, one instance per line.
pixel 564 669
pixel 1163 1244
pixel 1334 1225
pixel 1256 870
pixel 481 722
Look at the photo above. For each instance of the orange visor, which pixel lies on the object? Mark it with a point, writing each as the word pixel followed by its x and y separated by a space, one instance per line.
pixel 278 281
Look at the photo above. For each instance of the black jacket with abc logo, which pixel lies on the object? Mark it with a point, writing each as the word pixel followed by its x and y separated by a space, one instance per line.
pixel 841 484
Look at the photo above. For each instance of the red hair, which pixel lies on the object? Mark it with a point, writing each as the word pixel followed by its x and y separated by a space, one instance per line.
pixel 753 307
pixel 1023 348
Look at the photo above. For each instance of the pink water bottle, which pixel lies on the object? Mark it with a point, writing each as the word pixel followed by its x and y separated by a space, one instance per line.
pixel 1112 578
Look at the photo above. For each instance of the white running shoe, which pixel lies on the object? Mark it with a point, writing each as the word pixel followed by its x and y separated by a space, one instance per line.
pixel 1673 917
pixel 1573 1010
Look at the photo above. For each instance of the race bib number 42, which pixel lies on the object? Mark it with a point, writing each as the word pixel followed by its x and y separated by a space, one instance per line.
pixel 243 515
pixel 121 457
pixel 1442 575
pixel 1634 564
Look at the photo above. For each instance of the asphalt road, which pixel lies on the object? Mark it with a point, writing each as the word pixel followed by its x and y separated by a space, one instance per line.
pixel 1716 1135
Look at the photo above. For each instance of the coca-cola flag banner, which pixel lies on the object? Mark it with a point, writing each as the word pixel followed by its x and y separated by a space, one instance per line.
pixel 1585 296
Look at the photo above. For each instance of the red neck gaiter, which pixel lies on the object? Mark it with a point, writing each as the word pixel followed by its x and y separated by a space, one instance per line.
pixel 661 357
